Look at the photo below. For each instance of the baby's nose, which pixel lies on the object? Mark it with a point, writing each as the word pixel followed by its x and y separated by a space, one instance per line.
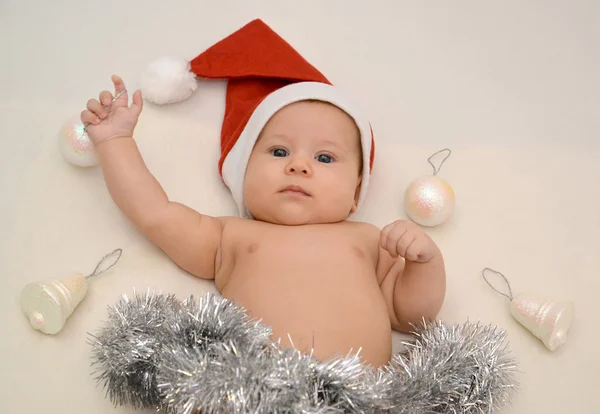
pixel 300 170
pixel 298 166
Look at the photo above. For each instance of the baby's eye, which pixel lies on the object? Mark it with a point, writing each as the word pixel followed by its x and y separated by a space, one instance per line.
pixel 324 158
pixel 279 152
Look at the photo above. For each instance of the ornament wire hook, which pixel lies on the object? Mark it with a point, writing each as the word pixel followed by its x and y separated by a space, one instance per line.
pixel 437 170
pixel 510 294
pixel 117 96
pixel 96 272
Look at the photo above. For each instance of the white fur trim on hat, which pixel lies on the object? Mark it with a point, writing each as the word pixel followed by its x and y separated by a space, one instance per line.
pixel 234 165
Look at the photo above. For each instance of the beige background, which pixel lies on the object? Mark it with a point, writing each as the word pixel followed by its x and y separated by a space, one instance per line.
pixel 512 87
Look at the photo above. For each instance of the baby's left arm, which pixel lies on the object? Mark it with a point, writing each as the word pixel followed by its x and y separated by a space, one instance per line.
pixel 414 289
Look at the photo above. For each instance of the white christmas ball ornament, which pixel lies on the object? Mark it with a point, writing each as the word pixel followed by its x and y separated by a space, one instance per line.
pixel 168 81
pixel 76 145
pixel 429 201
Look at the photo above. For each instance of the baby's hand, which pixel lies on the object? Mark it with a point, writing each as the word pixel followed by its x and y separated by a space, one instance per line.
pixel 406 239
pixel 105 119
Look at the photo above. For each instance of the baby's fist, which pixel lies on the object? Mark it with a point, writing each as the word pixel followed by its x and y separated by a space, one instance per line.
pixel 406 239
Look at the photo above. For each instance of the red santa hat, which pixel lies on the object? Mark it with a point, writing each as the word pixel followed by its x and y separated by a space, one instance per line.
pixel 264 74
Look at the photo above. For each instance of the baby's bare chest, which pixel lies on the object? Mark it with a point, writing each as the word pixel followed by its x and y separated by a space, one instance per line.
pixel 298 255
pixel 317 286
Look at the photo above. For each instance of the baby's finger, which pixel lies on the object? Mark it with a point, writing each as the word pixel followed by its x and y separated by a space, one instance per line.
pixel 396 234
pixel 384 234
pixel 89 118
pixel 106 98
pixel 137 104
pixel 123 99
pixel 413 250
pixel 404 243
pixel 96 107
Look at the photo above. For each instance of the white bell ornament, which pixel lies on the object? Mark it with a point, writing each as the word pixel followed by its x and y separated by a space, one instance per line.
pixel 48 304
pixel 548 320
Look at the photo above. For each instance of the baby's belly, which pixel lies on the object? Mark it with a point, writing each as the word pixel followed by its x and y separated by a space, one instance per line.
pixel 333 310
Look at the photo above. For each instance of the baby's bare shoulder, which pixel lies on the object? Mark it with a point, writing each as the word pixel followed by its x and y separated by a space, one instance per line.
pixel 237 225
pixel 364 229
pixel 365 234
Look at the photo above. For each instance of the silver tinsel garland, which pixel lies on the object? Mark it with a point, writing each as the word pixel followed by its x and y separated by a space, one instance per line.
pixel 453 369
pixel 205 354
pixel 126 350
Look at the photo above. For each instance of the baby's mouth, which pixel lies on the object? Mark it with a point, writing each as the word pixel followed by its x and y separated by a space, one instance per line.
pixel 295 190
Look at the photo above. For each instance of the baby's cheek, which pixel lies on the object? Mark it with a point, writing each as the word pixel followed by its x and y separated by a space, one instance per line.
pixel 340 195
pixel 256 186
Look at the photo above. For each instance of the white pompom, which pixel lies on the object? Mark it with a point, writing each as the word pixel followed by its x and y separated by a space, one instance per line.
pixel 167 81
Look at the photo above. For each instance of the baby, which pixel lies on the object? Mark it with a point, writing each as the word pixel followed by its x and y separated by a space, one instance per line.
pixel 323 283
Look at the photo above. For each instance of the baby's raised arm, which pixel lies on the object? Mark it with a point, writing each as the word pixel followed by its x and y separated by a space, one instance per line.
pixel 189 238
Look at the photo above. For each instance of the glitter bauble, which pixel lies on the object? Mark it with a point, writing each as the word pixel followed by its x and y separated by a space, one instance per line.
pixel 76 145
pixel 429 201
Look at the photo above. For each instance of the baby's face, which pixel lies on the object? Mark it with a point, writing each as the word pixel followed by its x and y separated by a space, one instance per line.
pixel 305 167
